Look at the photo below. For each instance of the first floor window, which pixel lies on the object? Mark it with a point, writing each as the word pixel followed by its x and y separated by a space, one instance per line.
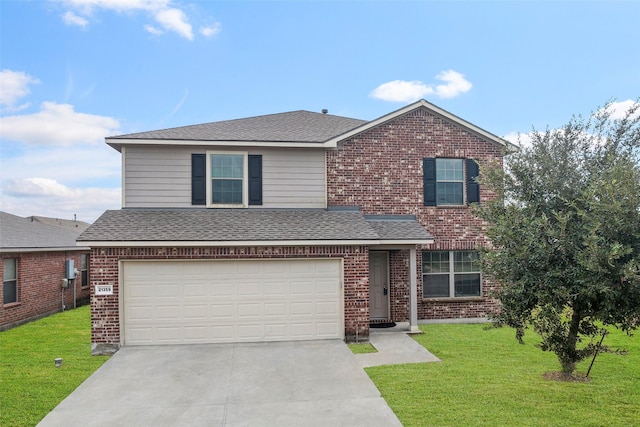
pixel 447 274
pixel 227 172
pixel 85 269
pixel 10 282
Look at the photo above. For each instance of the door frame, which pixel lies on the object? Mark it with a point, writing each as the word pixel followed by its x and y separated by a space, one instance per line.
pixel 386 256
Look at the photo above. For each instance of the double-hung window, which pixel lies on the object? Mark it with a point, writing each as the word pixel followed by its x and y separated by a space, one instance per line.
pixel 227 179
pixel 451 274
pixel 85 270
pixel 450 182
pixel 10 281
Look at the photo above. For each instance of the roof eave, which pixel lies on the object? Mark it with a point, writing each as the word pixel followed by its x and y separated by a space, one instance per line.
pixel 239 243
pixel 118 143
pixel 79 247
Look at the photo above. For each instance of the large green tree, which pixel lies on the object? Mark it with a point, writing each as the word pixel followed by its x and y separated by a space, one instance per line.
pixel 565 233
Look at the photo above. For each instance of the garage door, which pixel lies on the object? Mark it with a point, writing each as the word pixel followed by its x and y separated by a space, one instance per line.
pixel 180 302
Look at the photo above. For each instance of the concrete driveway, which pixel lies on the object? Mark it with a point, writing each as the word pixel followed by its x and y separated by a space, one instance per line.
pixel 315 383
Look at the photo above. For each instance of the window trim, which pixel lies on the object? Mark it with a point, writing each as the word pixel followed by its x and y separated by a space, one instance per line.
pixel 451 275
pixel 15 280
pixel 84 270
pixel 470 188
pixel 245 180
pixel 461 181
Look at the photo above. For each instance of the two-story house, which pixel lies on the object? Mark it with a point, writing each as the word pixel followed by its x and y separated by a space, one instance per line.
pixel 291 226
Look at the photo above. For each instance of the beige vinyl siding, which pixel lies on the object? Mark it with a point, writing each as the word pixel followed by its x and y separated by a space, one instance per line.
pixel 293 178
pixel 161 176
pixel 157 177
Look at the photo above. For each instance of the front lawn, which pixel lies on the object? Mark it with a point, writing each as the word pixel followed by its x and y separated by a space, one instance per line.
pixel 30 384
pixel 487 379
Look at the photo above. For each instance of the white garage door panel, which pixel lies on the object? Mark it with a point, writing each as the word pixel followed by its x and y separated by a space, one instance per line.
pixel 174 302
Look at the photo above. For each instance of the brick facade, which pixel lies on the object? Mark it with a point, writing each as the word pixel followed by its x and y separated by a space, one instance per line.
pixel 380 171
pixel 40 294
pixel 105 319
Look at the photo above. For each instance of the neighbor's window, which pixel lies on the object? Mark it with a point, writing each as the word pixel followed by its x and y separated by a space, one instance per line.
pixel 450 181
pixel 85 269
pixel 227 179
pixel 448 274
pixel 10 282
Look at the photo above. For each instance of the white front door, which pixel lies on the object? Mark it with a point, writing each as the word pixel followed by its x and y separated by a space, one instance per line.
pixel 183 302
pixel 378 285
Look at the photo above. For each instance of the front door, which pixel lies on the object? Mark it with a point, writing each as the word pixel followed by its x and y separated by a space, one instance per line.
pixel 378 285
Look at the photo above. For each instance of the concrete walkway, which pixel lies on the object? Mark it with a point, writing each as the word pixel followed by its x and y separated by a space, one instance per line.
pixel 394 347
pixel 313 383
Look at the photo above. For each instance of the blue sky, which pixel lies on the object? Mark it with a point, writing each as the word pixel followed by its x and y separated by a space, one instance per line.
pixel 76 71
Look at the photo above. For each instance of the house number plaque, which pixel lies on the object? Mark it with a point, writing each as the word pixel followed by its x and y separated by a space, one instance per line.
pixel 104 289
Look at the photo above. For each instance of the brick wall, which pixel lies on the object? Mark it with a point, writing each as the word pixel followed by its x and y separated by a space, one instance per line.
pixel 381 172
pixel 39 290
pixel 105 324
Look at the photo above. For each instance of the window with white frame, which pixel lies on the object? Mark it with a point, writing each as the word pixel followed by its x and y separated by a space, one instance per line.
pixel 451 274
pixel 84 269
pixel 227 184
pixel 10 281
pixel 450 181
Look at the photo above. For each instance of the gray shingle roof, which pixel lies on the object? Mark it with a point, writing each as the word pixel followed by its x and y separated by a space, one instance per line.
pixel 295 126
pixel 23 233
pixel 229 225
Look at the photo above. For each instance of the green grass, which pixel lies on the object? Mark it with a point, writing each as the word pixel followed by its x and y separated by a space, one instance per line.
pixel 361 348
pixel 30 384
pixel 487 379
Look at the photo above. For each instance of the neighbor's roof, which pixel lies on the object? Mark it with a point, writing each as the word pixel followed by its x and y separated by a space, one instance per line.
pixel 293 127
pixel 235 227
pixel 68 224
pixel 19 234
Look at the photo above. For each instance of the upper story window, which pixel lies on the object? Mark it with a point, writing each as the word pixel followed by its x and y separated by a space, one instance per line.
pixel 449 182
pixel 226 179
pixel 10 281
pixel 451 274
pixel 444 182
pixel 228 185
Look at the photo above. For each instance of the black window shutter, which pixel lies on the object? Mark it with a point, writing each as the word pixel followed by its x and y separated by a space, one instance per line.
pixel 198 179
pixel 473 188
pixel 429 171
pixel 255 179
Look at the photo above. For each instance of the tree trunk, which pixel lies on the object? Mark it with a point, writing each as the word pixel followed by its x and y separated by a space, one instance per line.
pixel 570 357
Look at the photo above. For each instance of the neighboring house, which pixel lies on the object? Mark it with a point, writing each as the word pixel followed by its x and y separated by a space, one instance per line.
pixel 292 226
pixel 35 260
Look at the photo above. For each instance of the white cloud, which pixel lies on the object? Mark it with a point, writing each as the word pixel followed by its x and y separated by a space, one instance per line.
pixel 71 18
pixel 618 110
pixel 175 20
pixel 408 91
pixel 48 197
pixel 13 86
pixel 57 124
pixel 212 30
pixel 153 30
pixel 165 14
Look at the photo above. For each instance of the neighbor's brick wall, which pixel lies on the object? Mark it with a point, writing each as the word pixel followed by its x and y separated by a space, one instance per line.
pixel 381 172
pixel 39 290
pixel 105 324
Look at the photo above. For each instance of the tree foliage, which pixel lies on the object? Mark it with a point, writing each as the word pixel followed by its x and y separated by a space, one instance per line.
pixel 565 233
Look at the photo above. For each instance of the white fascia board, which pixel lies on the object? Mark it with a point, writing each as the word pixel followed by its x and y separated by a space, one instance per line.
pixel 199 243
pixel 119 143
pixel 422 103
pixel 82 247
